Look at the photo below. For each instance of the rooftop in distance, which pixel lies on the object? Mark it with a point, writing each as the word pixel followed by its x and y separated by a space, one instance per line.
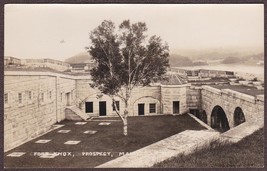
pixel 253 91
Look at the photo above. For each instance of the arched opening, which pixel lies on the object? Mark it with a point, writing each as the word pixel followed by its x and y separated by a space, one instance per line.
pixel 239 116
pixel 219 120
pixel 146 105
pixel 200 114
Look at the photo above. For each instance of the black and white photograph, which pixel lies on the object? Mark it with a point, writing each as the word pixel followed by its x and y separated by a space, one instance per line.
pixel 133 86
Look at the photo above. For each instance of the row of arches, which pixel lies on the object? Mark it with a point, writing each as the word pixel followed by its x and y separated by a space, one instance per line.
pixel 219 119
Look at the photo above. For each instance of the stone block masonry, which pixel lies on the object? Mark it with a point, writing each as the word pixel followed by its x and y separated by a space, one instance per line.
pixel 170 94
pixel 34 101
pixel 193 97
pixel 229 100
pixel 161 96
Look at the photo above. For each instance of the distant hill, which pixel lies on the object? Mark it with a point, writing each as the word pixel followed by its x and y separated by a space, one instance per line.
pixel 219 53
pixel 181 61
pixel 178 60
pixel 231 60
pixel 252 59
pixel 82 57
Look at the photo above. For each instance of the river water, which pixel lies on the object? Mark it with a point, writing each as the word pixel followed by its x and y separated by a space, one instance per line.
pixel 251 69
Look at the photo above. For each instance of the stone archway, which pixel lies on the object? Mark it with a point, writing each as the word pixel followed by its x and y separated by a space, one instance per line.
pixel 144 103
pixel 239 116
pixel 219 120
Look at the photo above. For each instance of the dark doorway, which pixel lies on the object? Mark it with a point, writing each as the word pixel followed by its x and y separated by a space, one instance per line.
pixel 141 109
pixel 89 107
pixel 68 99
pixel 102 109
pixel 239 116
pixel 219 120
pixel 176 107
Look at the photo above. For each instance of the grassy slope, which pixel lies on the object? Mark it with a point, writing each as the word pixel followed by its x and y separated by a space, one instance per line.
pixel 249 152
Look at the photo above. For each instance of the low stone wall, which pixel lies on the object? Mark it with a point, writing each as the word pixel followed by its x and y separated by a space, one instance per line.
pixel 252 107
pixel 185 142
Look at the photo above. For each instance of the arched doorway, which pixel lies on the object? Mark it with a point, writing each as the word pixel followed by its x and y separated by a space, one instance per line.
pixel 219 120
pixel 239 116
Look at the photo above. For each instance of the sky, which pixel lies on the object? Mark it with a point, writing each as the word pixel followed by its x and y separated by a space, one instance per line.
pixel 59 31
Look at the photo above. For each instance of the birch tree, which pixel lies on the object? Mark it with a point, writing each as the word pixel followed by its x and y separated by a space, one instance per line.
pixel 126 58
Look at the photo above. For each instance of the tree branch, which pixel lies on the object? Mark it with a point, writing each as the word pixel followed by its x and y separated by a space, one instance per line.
pixel 116 108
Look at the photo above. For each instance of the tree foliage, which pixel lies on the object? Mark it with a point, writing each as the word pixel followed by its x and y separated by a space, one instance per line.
pixel 126 58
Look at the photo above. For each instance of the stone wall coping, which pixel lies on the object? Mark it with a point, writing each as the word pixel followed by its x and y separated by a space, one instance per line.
pixel 239 95
pixel 260 97
pixel 212 89
pixel 196 88
pixel 173 86
pixel 40 73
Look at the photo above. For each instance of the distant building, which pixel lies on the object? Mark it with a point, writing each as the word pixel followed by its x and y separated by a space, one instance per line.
pixel 9 60
pixel 81 67
pixel 203 73
pixel 46 63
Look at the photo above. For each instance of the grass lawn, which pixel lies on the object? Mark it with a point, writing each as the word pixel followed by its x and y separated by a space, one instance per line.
pixel 247 153
pixel 142 131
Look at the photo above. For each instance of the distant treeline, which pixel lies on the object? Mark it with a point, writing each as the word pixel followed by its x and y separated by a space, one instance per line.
pixel 180 61
pixel 231 60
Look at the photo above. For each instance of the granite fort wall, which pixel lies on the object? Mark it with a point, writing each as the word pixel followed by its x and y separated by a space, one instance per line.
pixel 162 96
pixel 144 95
pixel 252 107
pixel 174 93
pixel 34 102
pixel 193 97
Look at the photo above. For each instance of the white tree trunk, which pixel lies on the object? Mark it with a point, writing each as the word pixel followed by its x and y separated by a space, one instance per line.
pixel 125 124
pixel 125 127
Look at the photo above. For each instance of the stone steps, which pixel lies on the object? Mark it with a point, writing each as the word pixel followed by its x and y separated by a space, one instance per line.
pixel 75 114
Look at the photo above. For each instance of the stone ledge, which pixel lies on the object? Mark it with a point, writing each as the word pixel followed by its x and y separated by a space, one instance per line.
pixel 260 98
pixel 239 95
pixel 174 86
pixel 213 90
pixel 241 131
pixel 39 73
pixel 185 142
pixel 200 122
